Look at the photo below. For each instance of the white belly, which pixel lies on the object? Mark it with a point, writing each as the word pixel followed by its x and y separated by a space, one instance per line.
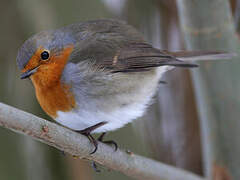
pixel 89 115
pixel 116 119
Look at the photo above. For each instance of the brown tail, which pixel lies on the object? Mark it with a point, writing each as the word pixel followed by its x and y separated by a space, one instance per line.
pixel 201 55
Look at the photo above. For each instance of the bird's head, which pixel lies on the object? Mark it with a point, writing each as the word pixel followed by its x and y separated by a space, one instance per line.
pixel 45 54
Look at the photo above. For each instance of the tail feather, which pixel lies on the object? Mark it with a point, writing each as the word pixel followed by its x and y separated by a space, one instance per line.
pixel 202 55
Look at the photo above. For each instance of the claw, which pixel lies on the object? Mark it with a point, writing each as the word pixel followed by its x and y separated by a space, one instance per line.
pixel 111 142
pixel 95 143
pixel 87 132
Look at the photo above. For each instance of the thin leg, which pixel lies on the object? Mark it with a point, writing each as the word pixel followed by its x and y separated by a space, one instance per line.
pixel 111 142
pixel 100 138
pixel 87 132
pixel 92 128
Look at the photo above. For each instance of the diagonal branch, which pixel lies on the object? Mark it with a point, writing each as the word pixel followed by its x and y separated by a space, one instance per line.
pixel 78 145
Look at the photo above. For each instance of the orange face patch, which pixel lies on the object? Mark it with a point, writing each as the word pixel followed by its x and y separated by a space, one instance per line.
pixel 51 93
pixel 49 72
pixel 34 61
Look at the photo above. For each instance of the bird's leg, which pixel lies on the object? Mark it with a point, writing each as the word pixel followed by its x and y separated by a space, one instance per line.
pixel 87 132
pixel 100 138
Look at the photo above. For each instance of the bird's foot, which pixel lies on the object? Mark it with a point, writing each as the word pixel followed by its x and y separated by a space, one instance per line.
pixel 87 132
pixel 110 142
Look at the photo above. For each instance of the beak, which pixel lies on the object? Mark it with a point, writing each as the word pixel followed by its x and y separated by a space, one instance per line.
pixel 28 73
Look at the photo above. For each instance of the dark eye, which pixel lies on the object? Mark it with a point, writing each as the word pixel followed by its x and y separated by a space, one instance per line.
pixel 45 55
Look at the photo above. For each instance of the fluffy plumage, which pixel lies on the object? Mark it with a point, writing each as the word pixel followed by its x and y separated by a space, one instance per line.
pixel 112 72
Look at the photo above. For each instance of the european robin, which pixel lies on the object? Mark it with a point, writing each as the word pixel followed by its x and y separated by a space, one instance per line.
pixel 97 76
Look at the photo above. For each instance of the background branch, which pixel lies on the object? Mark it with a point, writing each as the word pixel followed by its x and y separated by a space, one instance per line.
pixel 78 145
pixel 216 84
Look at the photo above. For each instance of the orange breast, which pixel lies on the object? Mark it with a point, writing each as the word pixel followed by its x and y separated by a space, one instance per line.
pixel 51 93
pixel 56 98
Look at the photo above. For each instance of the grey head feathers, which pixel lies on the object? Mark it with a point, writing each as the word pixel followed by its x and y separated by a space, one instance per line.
pixel 25 53
pixel 52 40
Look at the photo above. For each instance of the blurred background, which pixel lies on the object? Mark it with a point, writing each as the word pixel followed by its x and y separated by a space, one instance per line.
pixel 194 121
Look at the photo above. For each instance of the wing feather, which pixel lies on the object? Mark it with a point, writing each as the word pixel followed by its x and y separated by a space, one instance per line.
pixel 117 47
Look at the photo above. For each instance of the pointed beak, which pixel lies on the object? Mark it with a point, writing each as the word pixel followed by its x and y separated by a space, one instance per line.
pixel 28 73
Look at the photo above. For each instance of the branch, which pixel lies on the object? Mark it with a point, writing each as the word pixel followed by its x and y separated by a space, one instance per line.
pixel 78 145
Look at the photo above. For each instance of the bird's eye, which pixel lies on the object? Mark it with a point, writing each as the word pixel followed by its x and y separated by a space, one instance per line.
pixel 45 55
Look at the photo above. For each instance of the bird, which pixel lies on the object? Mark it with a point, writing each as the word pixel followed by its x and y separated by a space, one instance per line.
pixel 99 75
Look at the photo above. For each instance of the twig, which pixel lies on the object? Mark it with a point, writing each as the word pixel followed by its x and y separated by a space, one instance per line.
pixel 78 145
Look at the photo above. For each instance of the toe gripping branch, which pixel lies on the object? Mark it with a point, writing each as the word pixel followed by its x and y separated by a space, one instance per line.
pixel 110 142
pixel 87 132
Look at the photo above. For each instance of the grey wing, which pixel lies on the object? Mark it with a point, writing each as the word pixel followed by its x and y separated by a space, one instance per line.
pixel 134 57
pixel 140 57
pixel 117 47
